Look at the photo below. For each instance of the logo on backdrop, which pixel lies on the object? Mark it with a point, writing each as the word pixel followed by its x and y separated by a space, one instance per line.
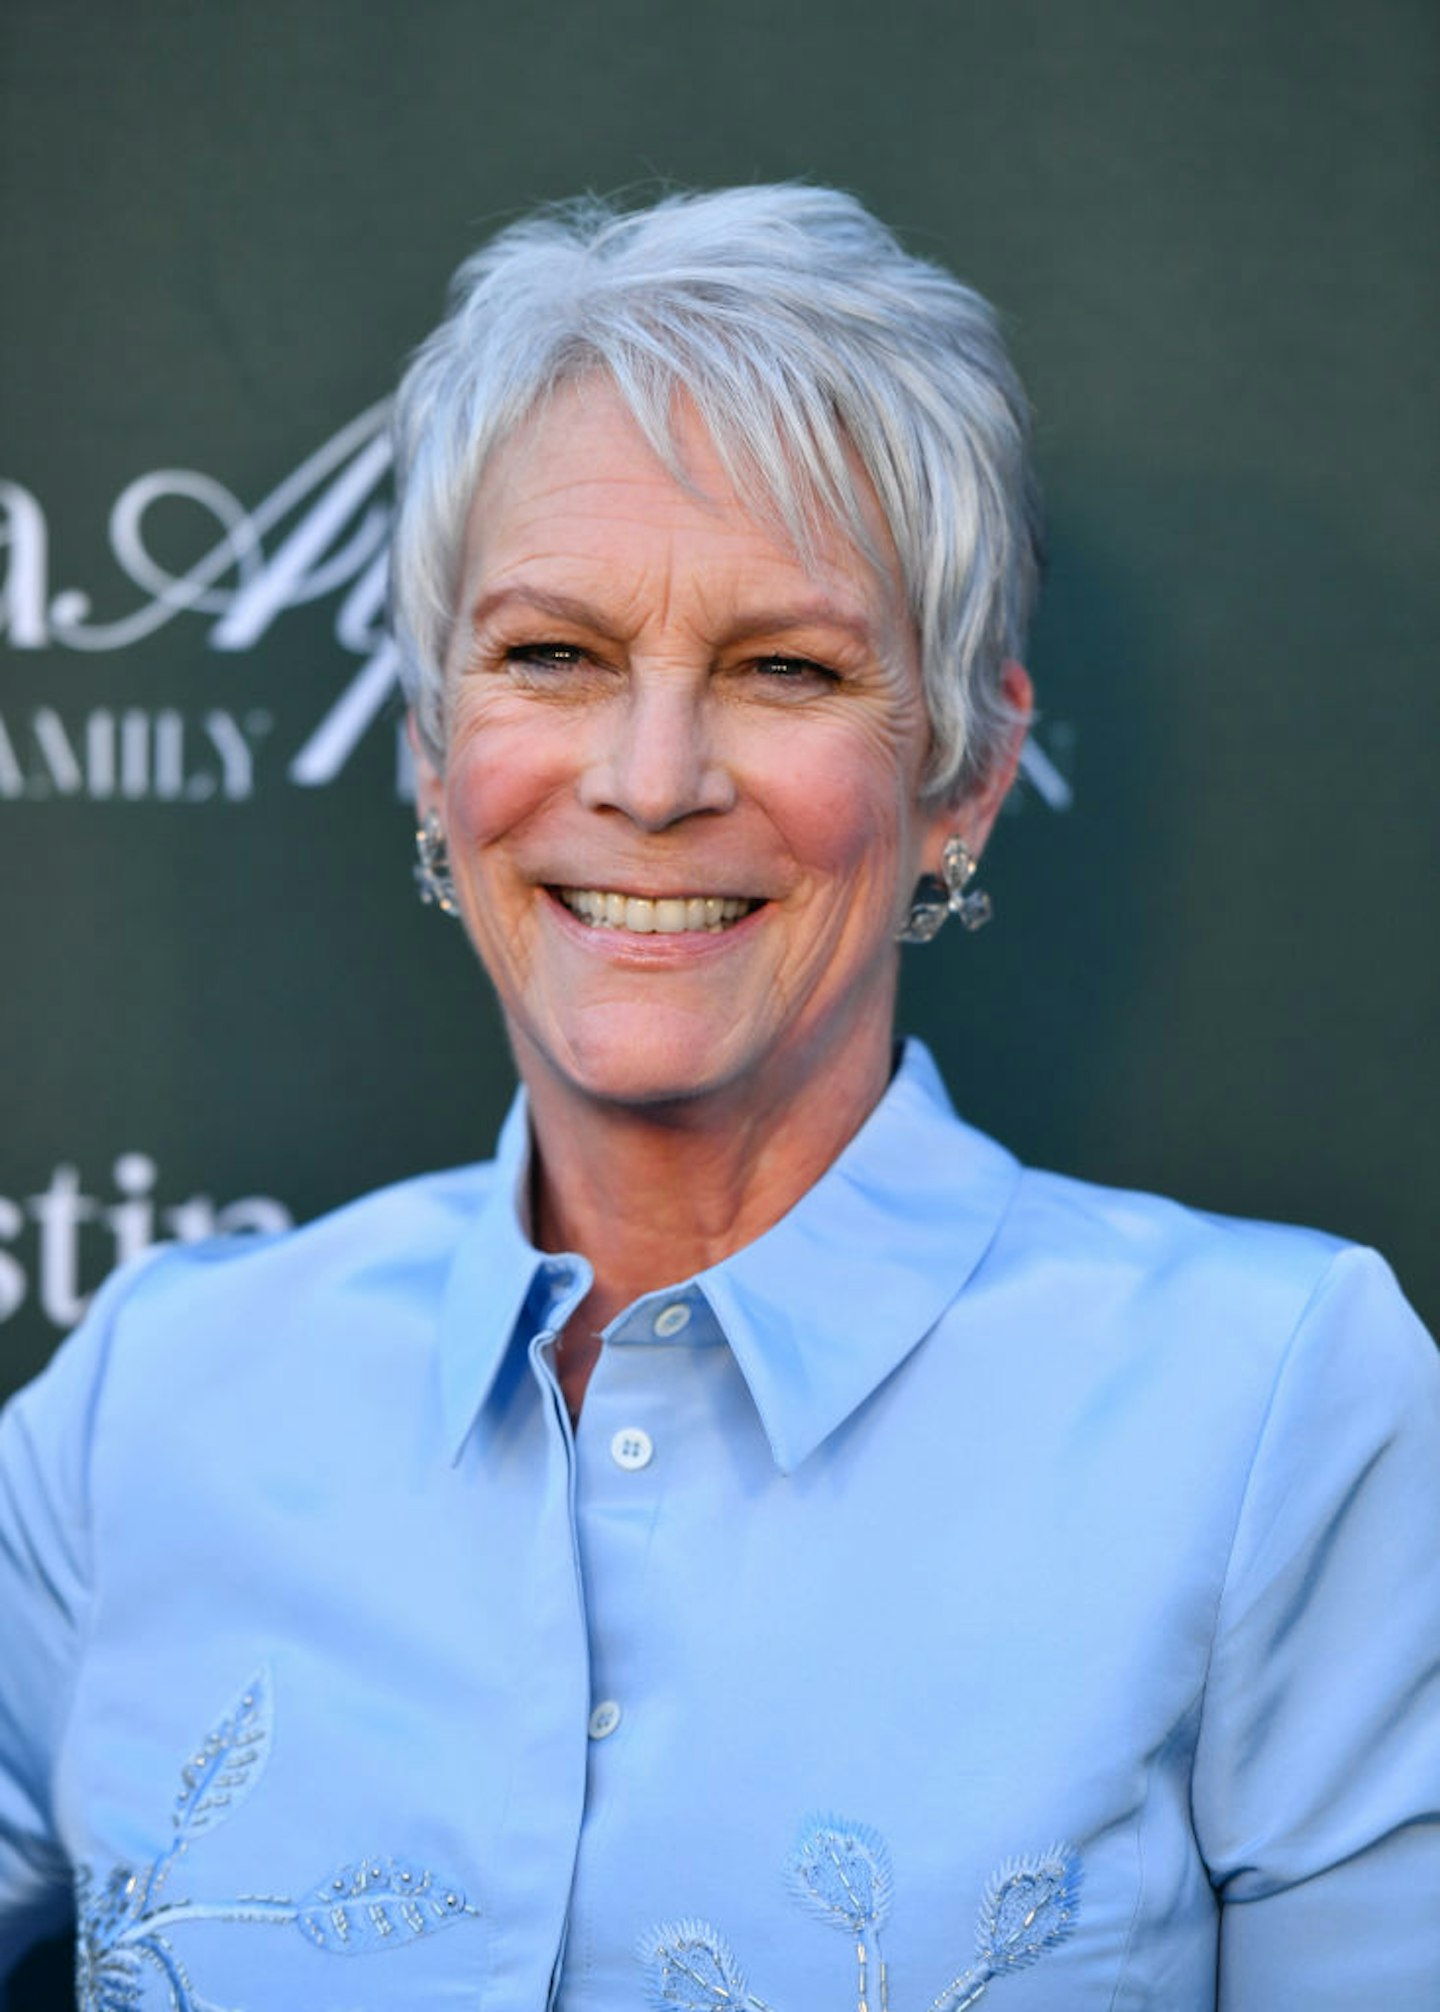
pixel 326 525
pixel 320 532
pixel 59 1244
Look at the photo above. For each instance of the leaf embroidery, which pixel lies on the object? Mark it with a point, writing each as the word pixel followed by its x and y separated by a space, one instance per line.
pixel 227 1765
pixel 377 1904
pixel 840 1871
pixel 124 1926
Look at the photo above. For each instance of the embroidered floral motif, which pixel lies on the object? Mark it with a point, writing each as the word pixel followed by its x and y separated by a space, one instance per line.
pixel 1029 1907
pixel 692 1967
pixel 841 1872
pixel 125 1924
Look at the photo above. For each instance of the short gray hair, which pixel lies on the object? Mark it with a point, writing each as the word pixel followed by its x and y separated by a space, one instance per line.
pixel 807 339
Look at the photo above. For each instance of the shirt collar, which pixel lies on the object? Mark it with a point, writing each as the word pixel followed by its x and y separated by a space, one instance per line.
pixel 823 1307
pixel 817 1312
pixel 496 1276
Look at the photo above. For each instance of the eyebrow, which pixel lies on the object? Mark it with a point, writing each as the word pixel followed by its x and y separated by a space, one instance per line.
pixel 583 614
pixel 561 606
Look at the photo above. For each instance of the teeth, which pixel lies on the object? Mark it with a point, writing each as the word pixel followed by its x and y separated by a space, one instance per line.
pixel 670 915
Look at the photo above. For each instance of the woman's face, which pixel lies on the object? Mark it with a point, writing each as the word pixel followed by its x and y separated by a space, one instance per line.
pixel 682 789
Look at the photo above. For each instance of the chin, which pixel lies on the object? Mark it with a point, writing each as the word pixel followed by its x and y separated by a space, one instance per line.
pixel 642 1059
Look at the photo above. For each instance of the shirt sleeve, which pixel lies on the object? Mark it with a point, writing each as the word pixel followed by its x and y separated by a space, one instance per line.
pixel 1317 1780
pixel 45 1591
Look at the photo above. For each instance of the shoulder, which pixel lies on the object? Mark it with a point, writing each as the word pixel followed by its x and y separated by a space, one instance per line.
pixel 1071 1281
pixel 185 1313
pixel 417 1222
pixel 1241 1300
pixel 1109 1257
pixel 1136 1238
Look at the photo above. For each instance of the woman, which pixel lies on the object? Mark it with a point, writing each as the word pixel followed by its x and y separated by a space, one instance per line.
pixel 753 1543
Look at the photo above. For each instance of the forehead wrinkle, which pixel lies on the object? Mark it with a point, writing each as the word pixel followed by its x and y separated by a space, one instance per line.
pixel 527 500
pixel 729 555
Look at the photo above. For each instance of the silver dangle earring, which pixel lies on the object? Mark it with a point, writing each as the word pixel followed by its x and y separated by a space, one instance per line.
pixel 432 866
pixel 936 900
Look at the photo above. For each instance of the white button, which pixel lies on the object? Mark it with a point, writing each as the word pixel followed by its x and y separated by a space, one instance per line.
pixel 604 1719
pixel 671 1319
pixel 632 1448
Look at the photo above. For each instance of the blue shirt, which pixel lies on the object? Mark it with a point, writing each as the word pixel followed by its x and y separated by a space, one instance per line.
pixel 983 1577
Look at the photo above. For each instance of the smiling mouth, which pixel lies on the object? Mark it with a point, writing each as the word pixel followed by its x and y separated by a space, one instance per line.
pixel 667 915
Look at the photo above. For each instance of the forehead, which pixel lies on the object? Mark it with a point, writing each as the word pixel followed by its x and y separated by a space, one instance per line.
pixel 579 480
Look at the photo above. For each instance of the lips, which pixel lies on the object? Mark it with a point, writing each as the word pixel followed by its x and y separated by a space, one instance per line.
pixel 662 915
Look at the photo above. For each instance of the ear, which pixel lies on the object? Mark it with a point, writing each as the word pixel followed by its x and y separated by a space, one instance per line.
pixel 429 785
pixel 973 813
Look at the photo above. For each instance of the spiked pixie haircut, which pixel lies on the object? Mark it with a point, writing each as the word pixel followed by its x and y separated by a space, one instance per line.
pixel 808 340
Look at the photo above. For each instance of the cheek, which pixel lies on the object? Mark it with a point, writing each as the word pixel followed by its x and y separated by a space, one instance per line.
pixel 496 777
pixel 847 807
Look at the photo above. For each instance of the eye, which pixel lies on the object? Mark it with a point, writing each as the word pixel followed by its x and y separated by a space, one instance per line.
pixel 549 667
pixel 546 656
pixel 802 673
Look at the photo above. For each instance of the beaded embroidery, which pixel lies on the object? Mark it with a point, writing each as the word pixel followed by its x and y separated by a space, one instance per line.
pixel 840 1872
pixel 123 1936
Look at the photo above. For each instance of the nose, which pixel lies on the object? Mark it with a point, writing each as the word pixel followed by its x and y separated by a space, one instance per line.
pixel 655 757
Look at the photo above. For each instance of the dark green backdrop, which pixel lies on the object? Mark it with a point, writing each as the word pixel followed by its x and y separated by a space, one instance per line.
pixel 1213 233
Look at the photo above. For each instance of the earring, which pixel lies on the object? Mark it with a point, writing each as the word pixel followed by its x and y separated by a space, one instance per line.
pixel 432 867
pixel 936 900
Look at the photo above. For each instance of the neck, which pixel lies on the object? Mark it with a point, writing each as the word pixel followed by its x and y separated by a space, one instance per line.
pixel 652 1194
